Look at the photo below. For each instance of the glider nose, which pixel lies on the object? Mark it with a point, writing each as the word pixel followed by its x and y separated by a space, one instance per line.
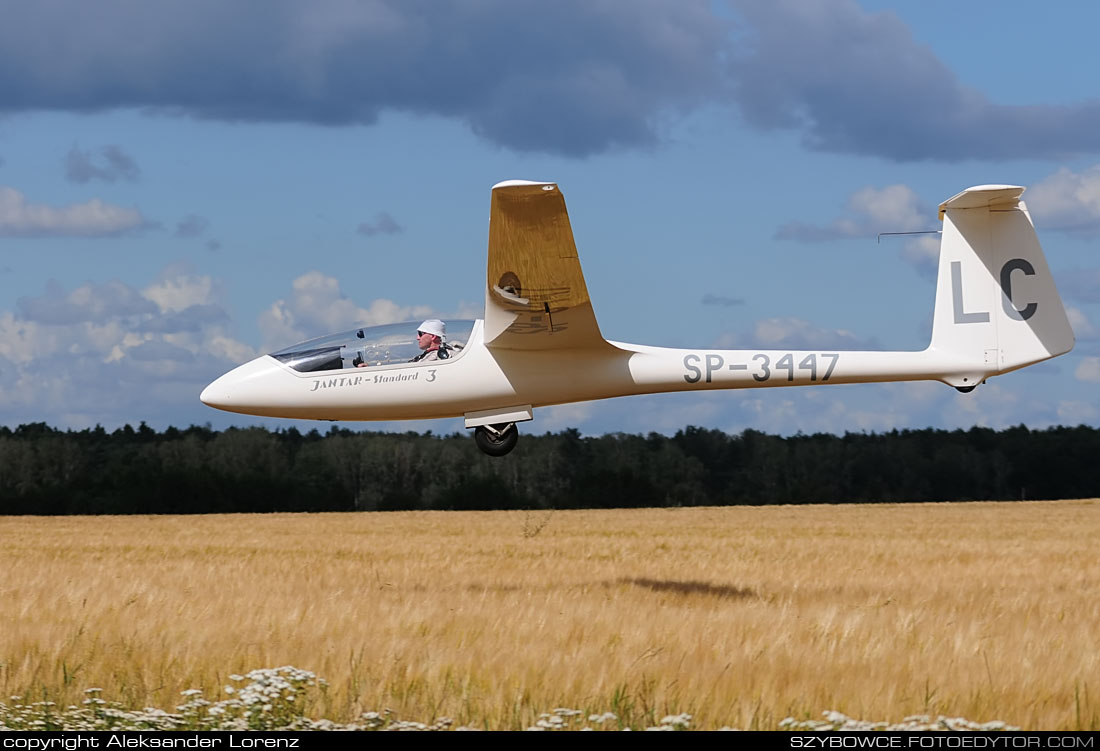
pixel 246 389
pixel 219 394
pixel 215 395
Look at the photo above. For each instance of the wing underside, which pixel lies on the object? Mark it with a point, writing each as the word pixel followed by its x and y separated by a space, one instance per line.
pixel 535 298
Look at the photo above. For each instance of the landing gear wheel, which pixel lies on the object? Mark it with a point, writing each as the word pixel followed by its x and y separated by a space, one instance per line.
pixel 966 389
pixel 496 440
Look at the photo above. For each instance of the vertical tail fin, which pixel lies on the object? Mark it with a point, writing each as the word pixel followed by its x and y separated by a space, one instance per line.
pixel 997 308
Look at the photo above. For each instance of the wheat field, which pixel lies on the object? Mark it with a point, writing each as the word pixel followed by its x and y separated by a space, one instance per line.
pixel 739 616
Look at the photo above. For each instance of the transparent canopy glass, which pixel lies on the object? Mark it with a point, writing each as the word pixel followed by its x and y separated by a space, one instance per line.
pixel 370 347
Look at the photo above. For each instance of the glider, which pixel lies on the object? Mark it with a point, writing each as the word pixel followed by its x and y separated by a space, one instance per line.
pixel 996 310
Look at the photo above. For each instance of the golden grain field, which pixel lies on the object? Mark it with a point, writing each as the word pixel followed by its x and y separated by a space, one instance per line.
pixel 739 616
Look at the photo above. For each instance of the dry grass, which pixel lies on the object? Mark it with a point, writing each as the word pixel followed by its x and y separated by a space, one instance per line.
pixel 739 616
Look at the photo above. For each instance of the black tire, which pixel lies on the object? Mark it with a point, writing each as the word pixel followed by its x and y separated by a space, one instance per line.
pixel 496 444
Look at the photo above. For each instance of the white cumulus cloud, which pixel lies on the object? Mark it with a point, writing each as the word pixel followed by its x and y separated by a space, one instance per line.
pixel 1075 412
pixel 1082 326
pixel 178 290
pixel 869 211
pixel 795 333
pixel 94 218
pixel 316 306
pixel 1068 201
pixel 1088 370
pixel 922 252
pixel 108 353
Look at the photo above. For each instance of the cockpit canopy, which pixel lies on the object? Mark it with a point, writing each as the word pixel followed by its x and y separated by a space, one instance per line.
pixel 370 347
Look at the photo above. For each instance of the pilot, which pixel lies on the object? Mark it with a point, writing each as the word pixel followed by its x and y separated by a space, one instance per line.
pixel 429 337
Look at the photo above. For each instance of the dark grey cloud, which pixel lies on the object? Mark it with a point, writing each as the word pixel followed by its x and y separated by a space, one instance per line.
pixel 383 224
pixel 725 302
pixel 191 225
pixel 569 77
pixel 855 82
pixel 109 164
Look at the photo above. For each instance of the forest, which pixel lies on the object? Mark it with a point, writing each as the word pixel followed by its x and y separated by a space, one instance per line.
pixel 44 470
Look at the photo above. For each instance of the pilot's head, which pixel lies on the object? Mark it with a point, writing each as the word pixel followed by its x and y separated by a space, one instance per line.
pixel 429 334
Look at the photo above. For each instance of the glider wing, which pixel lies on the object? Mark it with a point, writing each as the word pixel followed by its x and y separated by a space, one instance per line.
pixel 535 297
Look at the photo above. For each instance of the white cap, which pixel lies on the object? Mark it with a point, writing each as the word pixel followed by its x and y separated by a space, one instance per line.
pixel 433 326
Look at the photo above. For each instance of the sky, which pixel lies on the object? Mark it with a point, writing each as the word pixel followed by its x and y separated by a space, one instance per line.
pixel 187 185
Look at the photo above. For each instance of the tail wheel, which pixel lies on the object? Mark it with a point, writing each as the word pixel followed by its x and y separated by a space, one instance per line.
pixel 496 440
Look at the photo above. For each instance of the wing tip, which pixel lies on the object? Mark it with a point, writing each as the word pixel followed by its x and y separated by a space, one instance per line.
pixel 526 184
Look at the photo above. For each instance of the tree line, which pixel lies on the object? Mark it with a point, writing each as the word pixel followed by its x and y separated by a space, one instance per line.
pixel 44 470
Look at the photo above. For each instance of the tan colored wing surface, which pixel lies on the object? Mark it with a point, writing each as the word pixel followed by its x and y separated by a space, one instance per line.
pixel 535 298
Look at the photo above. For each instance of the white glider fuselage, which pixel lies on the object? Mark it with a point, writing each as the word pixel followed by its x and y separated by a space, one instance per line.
pixel 481 379
pixel 996 310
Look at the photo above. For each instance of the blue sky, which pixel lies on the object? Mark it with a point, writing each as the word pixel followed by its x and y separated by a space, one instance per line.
pixel 184 185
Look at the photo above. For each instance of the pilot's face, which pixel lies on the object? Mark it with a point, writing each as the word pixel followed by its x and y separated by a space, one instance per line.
pixel 423 339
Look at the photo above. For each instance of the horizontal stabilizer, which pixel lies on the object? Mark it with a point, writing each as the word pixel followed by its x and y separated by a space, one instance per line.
pixel 992 197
